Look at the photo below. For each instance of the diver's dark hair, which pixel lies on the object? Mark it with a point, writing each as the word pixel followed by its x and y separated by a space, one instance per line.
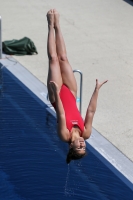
pixel 72 155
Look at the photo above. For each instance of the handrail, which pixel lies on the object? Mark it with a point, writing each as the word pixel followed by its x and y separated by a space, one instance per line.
pixel 0 38
pixel 81 81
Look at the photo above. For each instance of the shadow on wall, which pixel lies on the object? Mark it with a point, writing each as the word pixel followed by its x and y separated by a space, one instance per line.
pixel 129 1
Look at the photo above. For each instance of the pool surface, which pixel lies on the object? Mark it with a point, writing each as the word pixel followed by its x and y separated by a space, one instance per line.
pixel 32 158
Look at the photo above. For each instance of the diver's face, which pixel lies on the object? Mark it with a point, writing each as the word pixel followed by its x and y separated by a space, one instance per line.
pixel 79 145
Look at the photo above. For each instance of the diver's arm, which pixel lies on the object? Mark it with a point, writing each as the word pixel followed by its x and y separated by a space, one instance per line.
pixel 62 129
pixel 91 110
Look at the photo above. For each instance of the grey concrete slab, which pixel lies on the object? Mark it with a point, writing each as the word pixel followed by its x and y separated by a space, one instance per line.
pixel 98 36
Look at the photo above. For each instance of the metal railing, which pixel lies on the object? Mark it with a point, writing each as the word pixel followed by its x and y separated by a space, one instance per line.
pixel 0 38
pixel 80 98
pixel 81 81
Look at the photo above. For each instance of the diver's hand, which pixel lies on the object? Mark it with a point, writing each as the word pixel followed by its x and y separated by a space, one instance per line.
pixel 98 85
pixel 54 87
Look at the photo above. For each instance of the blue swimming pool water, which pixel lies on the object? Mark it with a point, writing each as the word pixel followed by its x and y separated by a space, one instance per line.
pixel 32 158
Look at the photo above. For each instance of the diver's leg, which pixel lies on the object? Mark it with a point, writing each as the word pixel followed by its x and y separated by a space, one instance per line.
pixel 54 73
pixel 66 70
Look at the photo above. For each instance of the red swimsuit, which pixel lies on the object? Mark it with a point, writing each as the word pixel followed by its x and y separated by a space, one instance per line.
pixel 72 113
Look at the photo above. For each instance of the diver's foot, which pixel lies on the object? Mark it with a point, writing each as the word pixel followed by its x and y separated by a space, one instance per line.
pixel 50 17
pixel 56 18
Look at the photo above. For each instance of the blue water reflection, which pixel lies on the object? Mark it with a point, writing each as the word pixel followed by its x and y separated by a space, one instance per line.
pixel 32 158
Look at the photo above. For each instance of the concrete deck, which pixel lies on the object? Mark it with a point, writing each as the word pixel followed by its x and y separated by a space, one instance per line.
pixel 98 36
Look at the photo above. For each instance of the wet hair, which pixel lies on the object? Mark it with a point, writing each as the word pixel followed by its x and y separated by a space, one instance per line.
pixel 72 155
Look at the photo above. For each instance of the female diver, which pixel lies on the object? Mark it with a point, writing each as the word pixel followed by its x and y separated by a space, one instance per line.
pixel 62 90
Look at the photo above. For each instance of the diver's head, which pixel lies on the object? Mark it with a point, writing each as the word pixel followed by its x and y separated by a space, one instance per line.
pixel 77 149
pixel 78 145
